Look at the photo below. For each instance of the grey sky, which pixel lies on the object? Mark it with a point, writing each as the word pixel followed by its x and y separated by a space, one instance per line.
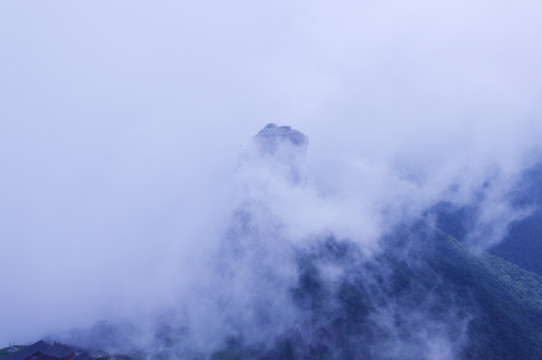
pixel 121 125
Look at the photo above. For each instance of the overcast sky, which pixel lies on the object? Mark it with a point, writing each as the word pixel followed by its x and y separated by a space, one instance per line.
pixel 122 123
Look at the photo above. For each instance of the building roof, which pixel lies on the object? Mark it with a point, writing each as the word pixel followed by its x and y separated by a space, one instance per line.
pixel 56 351
pixel 28 351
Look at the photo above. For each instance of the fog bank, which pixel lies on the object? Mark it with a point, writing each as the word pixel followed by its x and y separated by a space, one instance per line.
pixel 126 142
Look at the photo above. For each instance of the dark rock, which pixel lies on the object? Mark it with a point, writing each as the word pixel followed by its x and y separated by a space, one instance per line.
pixel 272 136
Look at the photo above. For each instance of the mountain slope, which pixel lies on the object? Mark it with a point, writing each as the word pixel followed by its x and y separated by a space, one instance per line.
pixel 508 298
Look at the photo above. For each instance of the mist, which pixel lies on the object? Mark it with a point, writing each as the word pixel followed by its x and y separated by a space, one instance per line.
pixel 127 152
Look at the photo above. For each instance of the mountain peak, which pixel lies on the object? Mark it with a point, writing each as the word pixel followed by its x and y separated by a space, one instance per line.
pixel 272 135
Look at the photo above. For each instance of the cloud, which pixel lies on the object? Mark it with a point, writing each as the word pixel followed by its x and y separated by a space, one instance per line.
pixel 122 126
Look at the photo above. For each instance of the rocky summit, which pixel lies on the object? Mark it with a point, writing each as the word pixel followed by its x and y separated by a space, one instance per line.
pixel 272 135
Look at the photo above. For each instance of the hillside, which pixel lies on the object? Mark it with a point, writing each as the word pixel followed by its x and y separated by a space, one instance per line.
pixel 508 298
pixel 485 306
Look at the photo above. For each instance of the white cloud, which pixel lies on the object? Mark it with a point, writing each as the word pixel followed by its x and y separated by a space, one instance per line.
pixel 121 126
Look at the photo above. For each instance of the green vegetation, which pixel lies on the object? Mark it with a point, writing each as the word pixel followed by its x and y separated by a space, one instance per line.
pixel 10 350
pixel 232 354
pixel 119 357
pixel 523 244
pixel 507 302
